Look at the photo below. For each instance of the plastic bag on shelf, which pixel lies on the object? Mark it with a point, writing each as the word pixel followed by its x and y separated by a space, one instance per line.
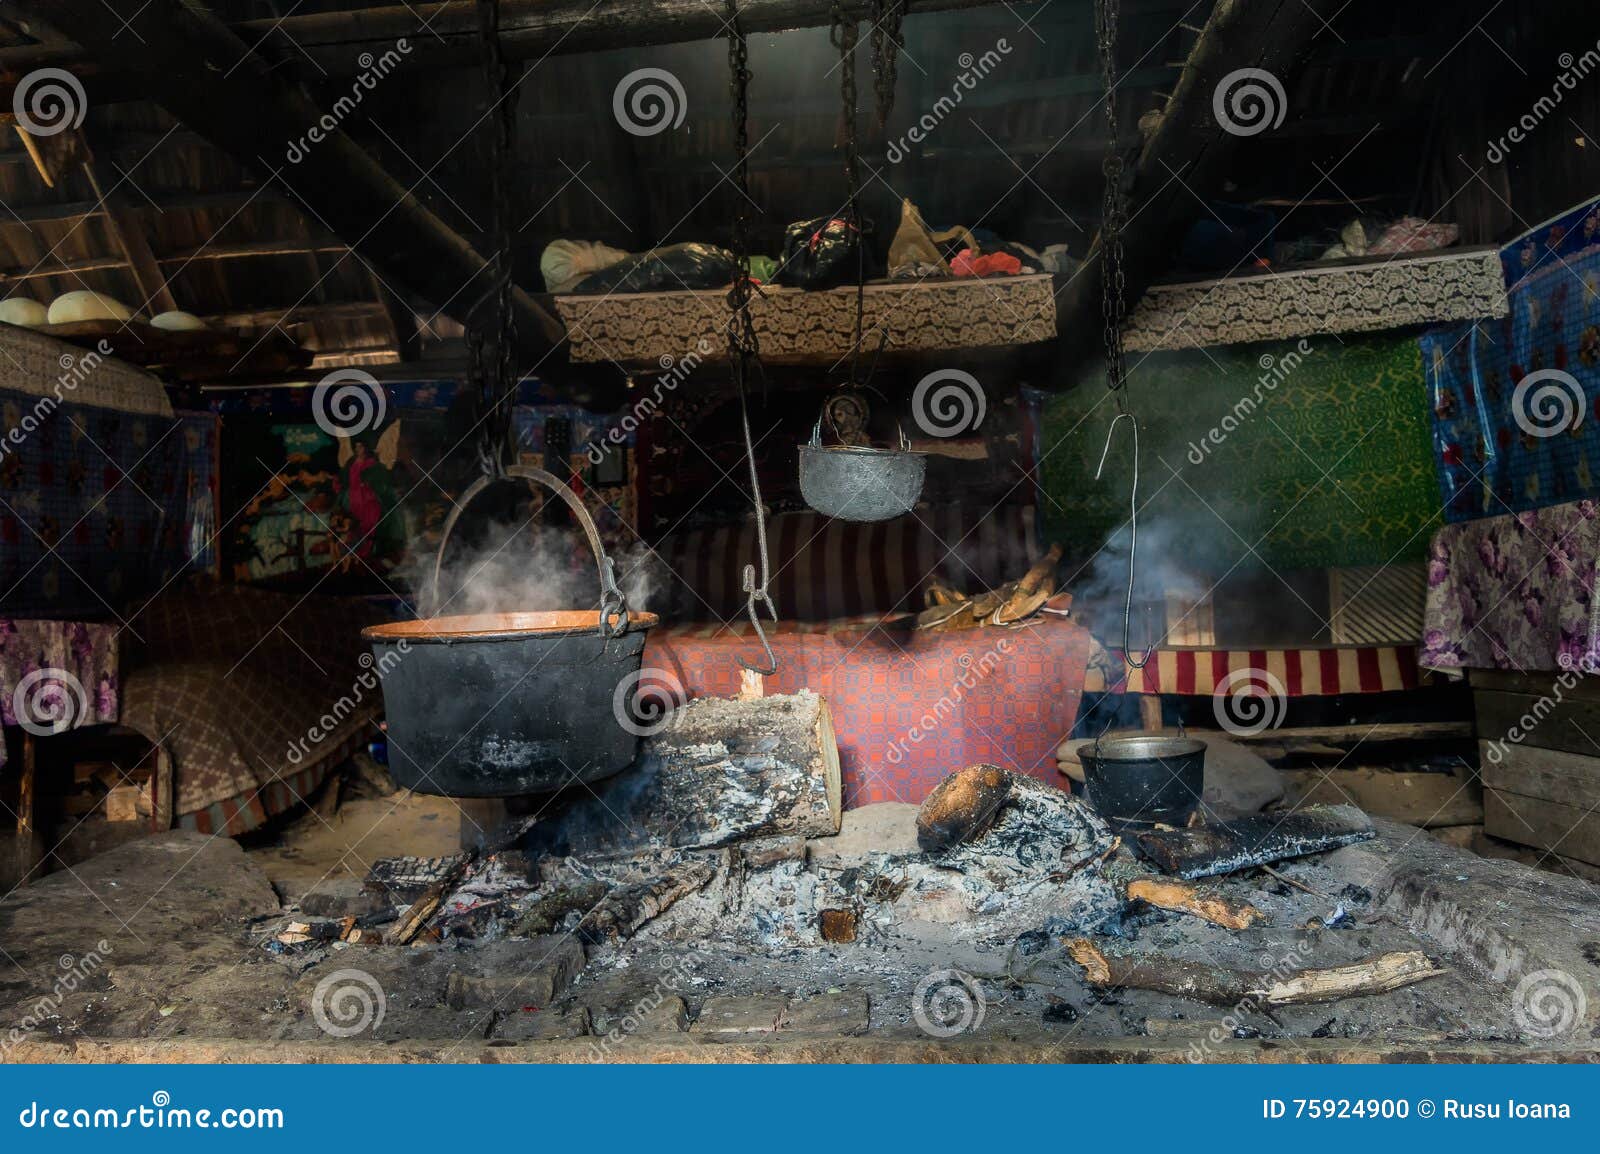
pixel 822 253
pixel 676 267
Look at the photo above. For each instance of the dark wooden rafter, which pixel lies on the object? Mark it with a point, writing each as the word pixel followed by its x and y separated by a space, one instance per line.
pixel 65 211
pixel 1185 155
pixel 206 76
pixel 446 33
pixel 127 231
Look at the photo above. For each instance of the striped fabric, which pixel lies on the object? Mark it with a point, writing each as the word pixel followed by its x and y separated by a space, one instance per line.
pixel 236 815
pixel 825 569
pixel 1302 672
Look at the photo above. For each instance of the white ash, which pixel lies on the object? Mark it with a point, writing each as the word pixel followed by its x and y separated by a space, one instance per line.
pixel 1038 863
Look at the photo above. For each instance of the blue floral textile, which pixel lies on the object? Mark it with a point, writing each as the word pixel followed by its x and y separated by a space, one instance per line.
pixel 1516 401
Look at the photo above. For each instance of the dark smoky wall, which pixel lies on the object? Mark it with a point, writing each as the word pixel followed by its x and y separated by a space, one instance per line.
pixel 1515 132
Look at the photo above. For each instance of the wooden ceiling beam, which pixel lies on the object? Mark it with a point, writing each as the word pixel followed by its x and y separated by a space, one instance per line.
pixel 61 212
pixel 446 33
pixel 62 268
pixel 252 250
pixel 204 75
pixel 301 314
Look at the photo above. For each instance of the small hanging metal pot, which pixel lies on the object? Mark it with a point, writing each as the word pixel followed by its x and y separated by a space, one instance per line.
pixel 502 704
pixel 860 483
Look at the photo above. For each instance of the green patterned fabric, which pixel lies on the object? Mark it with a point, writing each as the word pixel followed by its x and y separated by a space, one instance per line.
pixel 1312 454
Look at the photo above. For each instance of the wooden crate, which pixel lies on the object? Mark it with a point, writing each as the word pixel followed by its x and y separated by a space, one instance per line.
pixel 1539 749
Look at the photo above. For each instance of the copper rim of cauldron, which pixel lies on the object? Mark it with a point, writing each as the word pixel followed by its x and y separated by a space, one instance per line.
pixel 501 626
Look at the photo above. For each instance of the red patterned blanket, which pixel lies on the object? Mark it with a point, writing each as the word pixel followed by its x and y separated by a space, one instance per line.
pixel 908 707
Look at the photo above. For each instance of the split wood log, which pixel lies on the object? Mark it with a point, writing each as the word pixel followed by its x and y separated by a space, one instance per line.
pixel 626 908
pixel 421 911
pixel 1207 850
pixel 1222 987
pixel 1188 899
pixel 720 771
pixel 546 914
pixel 418 913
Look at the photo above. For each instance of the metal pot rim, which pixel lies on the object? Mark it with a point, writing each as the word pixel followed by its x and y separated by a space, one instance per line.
pixel 1144 748
pixel 501 626
pixel 863 450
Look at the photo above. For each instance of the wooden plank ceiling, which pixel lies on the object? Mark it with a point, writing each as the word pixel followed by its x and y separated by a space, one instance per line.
pixel 197 200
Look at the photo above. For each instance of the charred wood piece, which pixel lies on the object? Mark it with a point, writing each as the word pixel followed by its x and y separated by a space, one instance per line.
pixel 1207 850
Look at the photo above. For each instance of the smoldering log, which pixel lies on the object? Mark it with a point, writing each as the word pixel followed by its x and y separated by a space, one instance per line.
pixel 626 908
pixel 1206 850
pixel 1183 898
pixel 546 914
pixel 962 807
pixel 723 770
pixel 1221 987
pixel 422 910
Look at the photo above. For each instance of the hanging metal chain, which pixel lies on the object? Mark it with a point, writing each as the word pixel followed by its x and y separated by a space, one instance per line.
pixel 1114 217
pixel 497 388
pixel 744 349
pixel 886 40
pixel 1113 300
pixel 844 36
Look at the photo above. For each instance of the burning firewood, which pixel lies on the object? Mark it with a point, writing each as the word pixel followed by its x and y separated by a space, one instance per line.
pixel 1222 987
pixel 626 908
pixel 1207 850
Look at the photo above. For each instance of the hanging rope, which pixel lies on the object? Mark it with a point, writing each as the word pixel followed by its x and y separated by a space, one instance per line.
pixel 744 349
pixel 1113 301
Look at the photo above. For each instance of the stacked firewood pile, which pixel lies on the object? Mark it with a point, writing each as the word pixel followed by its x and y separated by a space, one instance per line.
pixel 1011 604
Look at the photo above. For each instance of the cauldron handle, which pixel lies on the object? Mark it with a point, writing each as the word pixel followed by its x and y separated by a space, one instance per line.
pixel 612 601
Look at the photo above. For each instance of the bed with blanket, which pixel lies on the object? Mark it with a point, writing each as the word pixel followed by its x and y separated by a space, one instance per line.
pixel 249 697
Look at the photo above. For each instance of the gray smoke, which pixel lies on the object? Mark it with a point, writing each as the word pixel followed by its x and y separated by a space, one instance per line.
pixel 1183 551
pixel 527 569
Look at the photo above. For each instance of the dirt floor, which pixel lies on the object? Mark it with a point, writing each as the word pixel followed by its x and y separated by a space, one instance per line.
pixel 166 950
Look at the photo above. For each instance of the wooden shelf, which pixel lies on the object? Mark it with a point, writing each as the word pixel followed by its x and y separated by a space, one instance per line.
pixel 205 356
pixel 1369 295
pixel 799 326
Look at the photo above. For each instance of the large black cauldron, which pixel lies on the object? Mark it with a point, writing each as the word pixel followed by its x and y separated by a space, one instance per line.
pixel 501 704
